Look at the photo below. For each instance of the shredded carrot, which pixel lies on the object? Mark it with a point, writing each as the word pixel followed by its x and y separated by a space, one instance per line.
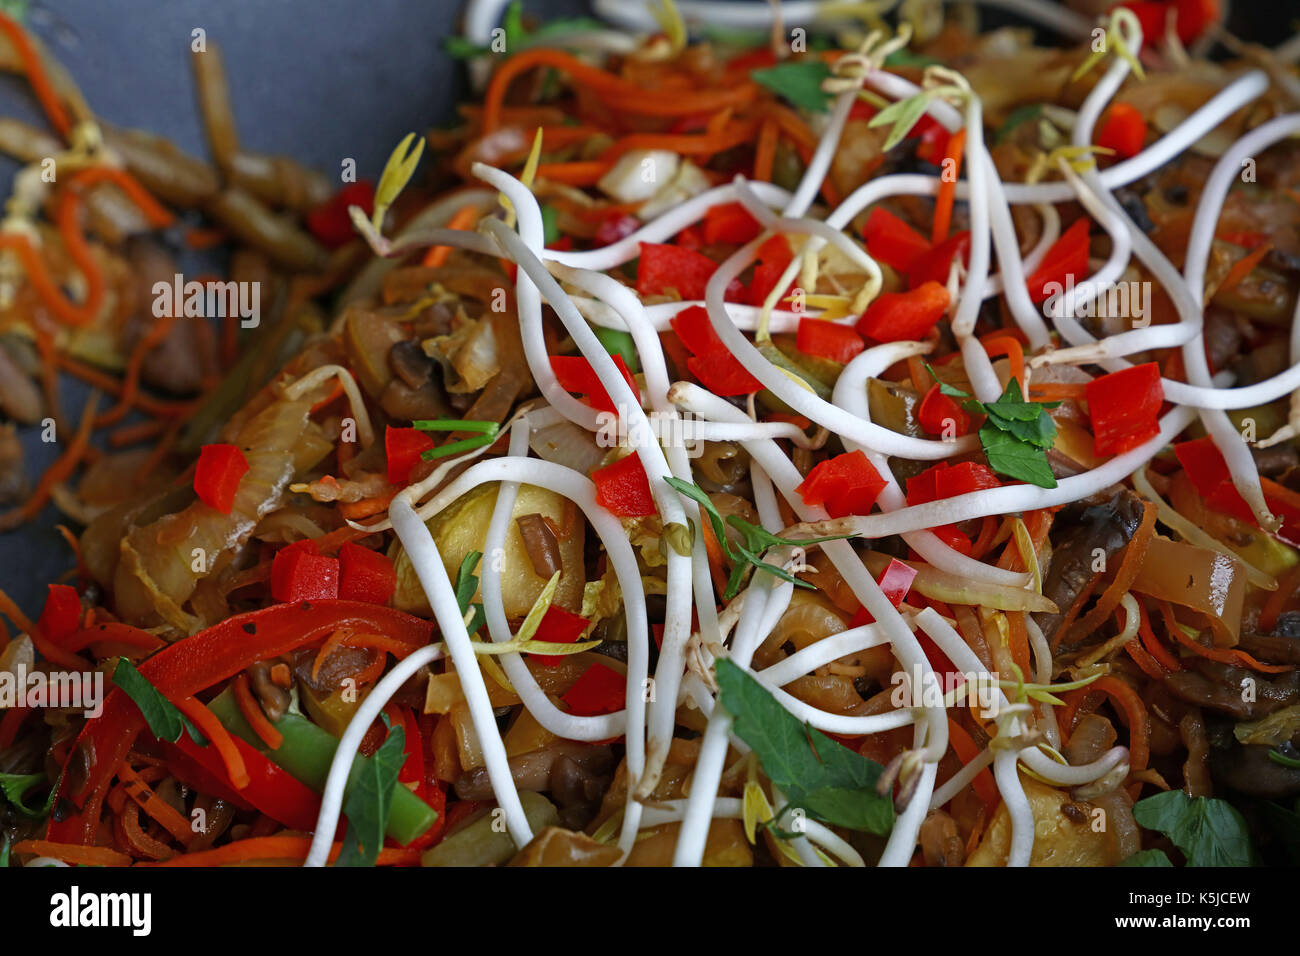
pixel 988 531
pixel 1244 266
pixel 210 727
pixel 1135 715
pixel 49 353
pixel 131 835
pixel 34 67
pixel 290 848
pixel 45 287
pixel 334 395
pixel 378 642
pixel 1223 655
pixel 135 362
pixel 1278 600
pixel 1125 575
pixel 687 144
pixel 1148 664
pixel 254 714
pixel 1073 612
pixel 331 644
pixel 977 831
pixel 464 218
pixel 713 549
pixel 201 239
pixel 356 510
pixel 137 433
pixel 1056 391
pixel 1018 637
pixel 964 747
pixel 61 470
pixel 158 215
pixel 73 853
pixel 584 173
pixel 765 152
pixel 168 817
pixel 1012 349
pixel 1162 654
pixel 281 676
pixel 947 196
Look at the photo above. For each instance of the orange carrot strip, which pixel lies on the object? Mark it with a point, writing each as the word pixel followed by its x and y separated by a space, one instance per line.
pixel 168 817
pixel 586 173
pixel 947 196
pixel 74 853
pixel 37 76
pixel 1244 266
pixel 210 727
pixel 1012 349
pixel 1223 655
pixel 1278 600
pixel 1125 575
pixel 464 218
pixel 254 714
pixel 62 469
pixel 964 747
pixel 765 153
pixel 279 848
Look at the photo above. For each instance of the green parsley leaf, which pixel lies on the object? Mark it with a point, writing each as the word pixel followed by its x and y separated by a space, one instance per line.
pixel 799 81
pixel 164 720
pixel 1039 432
pixel 1010 456
pixel 14 786
pixel 369 801
pixel 908 58
pixel 1146 858
pixel 1208 830
pixel 1012 405
pixel 827 780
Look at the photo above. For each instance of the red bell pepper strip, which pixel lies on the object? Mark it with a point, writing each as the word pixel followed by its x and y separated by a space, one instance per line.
pixel 1068 257
pixel 1124 407
pixel 623 489
pixel 600 690
pixel 1194 17
pixel 1151 16
pixel 895 581
pixel 330 223
pixel 730 222
pixel 402 449
pixel 931 485
pixel 187 667
pixel 963 478
pixel 558 626
pixel 575 374
pixel 847 484
pixel 721 373
pixel 298 573
pixel 365 575
pixel 663 267
pixel 828 340
pixel 1209 474
pixel 61 615
pixel 938 414
pixel 893 241
pixel 934 266
pixel 953 538
pixel 216 477
pixel 1123 130
pixel 696 332
pixel 774 255
pixel 270 789
pixel 904 316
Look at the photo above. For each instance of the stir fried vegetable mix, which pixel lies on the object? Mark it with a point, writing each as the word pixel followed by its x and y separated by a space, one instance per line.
pixel 736 438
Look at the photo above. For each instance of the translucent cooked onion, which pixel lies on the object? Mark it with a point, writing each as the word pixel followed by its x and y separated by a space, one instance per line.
pixel 954 589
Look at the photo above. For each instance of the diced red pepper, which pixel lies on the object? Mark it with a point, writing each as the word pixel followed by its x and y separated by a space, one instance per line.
pixel 721 373
pixel 934 266
pixel 934 139
pixel 953 538
pixel 696 332
pixel 895 581
pixel 1209 474
pixel 963 478
pixel 730 222
pixel 616 226
pixel 1067 257
pixel 402 449
pixel 1124 407
pixel 847 484
pixel 61 615
pixel 558 626
pixel 365 575
pixel 938 414
pixel 1194 17
pixel 925 486
pixel 1151 15
pixel 1122 129
pixel 600 690
pixel 692 238
pixel 828 340
pixel 623 489
pixel 904 316
pixel 663 267
pixel 893 241
pixel 774 256
pixel 216 477
pixel 300 573
pixel 330 223
pixel 575 374
pixel 1203 463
